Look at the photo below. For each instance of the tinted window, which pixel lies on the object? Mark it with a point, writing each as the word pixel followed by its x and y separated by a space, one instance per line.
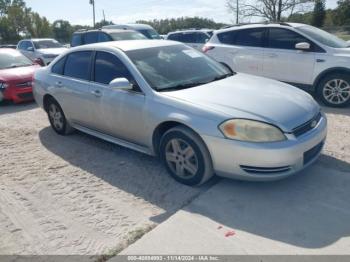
pixel 109 67
pixel 127 35
pixel 227 38
pixel 103 37
pixel 174 37
pixel 78 65
pixel 284 39
pixel 76 40
pixel 59 67
pixel 46 44
pixel 188 38
pixel 91 38
pixel 201 38
pixel 250 37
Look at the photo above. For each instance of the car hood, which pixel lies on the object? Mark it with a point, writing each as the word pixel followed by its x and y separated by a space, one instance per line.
pixel 14 74
pixel 52 51
pixel 251 97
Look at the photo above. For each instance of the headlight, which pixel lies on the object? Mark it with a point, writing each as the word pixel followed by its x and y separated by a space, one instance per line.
pixel 3 85
pixel 250 130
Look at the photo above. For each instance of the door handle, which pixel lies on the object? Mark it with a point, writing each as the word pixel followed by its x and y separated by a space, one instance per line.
pixel 59 84
pixel 96 93
pixel 272 55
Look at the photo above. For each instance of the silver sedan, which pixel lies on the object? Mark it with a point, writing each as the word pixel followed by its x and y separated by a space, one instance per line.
pixel 164 98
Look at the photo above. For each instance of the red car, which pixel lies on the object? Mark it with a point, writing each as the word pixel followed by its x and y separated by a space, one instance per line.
pixel 16 76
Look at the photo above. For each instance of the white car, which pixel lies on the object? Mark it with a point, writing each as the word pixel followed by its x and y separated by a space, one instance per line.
pixel 299 54
pixel 193 38
pixel 41 51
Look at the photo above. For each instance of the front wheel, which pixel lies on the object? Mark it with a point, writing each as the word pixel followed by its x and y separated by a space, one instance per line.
pixel 185 156
pixel 334 90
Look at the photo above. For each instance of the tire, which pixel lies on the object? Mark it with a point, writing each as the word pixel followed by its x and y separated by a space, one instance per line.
pixel 185 166
pixel 334 90
pixel 57 118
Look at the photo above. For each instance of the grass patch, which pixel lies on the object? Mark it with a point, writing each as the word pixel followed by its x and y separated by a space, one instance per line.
pixel 131 238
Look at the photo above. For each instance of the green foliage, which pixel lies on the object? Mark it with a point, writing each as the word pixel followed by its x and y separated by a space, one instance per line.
pixel 165 26
pixel 342 16
pixel 319 14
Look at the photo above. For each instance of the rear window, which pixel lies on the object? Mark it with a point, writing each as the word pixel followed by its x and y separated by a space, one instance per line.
pixel 78 65
pixel 76 40
pixel 247 37
pixel 174 37
pixel 227 38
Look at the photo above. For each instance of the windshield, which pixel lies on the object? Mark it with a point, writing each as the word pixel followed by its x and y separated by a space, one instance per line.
pixel 13 59
pixel 45 44
pixel 127 36
pixel 150 33
pixel 323 37
pixel 176 67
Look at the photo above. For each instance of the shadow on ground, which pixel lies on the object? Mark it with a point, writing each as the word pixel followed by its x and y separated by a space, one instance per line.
pixel 311 209
pixel 133 172
pixel 7 107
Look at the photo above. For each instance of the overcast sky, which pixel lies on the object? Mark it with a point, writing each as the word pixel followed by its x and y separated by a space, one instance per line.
pixel 128 11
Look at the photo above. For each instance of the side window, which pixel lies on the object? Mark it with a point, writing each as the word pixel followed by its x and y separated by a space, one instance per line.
pixel 109 67
pixel 188 38
pixel 76 40
pixel 91 38
pixel 58 68
pixel 174 37
pixel 284 39
pixel 250 37
pixel 21 45
pixel 201 38
pixel 78 65
pixel 103 37
pixel 24 45
pixel 227 38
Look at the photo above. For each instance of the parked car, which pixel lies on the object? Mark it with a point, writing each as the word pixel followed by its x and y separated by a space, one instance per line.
pixel 299 54
pixel 147 30
pixel 164 98
pixel 195 38
pixel 16 76
pixel 85 37
pixel 41 51
pixel 8 46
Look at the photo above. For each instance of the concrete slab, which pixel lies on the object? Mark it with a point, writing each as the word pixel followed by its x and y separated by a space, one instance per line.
pixel 305 214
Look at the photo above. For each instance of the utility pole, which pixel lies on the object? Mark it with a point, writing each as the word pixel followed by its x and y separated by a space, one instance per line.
pixel 237 12
pixel 104 16
pixel 92 2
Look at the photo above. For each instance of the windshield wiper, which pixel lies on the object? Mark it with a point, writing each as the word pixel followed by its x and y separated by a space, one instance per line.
pixel 181 86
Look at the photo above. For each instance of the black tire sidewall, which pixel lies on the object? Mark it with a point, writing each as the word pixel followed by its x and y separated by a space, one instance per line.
pixel 63 130
pixel 198 178
pixel 323 83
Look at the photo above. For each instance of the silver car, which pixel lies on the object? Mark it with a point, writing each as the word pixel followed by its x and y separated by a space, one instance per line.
pixel 164 98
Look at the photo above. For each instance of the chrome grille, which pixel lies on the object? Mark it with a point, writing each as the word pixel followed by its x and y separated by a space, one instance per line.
pixel 306 127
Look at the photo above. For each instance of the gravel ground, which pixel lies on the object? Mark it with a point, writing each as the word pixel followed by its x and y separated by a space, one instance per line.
pixel 81 195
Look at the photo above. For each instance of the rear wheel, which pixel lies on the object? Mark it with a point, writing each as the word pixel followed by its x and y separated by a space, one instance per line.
pixel 185 156
pixel 57 118
pixel 334 90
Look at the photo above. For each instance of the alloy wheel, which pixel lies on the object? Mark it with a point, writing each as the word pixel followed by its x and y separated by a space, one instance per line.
pixel 336 91
pixel 181 158
pixel 56 117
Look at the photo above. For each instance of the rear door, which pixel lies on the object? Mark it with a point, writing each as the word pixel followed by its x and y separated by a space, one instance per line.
pixel 282 61
pixel 242 50
pixel 71 81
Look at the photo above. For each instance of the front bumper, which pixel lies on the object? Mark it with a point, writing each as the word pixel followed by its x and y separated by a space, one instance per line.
pixel 18 95
pixel 266 161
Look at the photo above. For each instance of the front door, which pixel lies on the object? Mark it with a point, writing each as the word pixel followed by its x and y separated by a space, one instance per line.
pixel 285 63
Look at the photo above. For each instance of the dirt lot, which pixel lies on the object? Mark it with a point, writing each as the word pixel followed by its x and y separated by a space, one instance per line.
pixel 81 195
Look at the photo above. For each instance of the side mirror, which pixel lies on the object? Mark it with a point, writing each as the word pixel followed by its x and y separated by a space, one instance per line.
pixel 302 46
pixel 30 49
pixel 121 83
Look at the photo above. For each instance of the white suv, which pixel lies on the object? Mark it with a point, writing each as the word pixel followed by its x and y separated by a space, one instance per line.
pixel 299 54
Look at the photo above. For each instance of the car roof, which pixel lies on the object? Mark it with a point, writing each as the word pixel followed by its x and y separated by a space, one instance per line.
pixel 106 30
pixel 191 31
pixel 257 25
pixel 129 26
pixel 128 45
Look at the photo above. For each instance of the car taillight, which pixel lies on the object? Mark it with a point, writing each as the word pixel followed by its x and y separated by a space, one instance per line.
pixel 206 48
pixel 39 61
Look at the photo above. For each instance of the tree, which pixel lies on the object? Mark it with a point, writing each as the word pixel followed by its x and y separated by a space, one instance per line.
pixel 271 10
pixel 62 30
pixel 342 13
pixel 319 13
